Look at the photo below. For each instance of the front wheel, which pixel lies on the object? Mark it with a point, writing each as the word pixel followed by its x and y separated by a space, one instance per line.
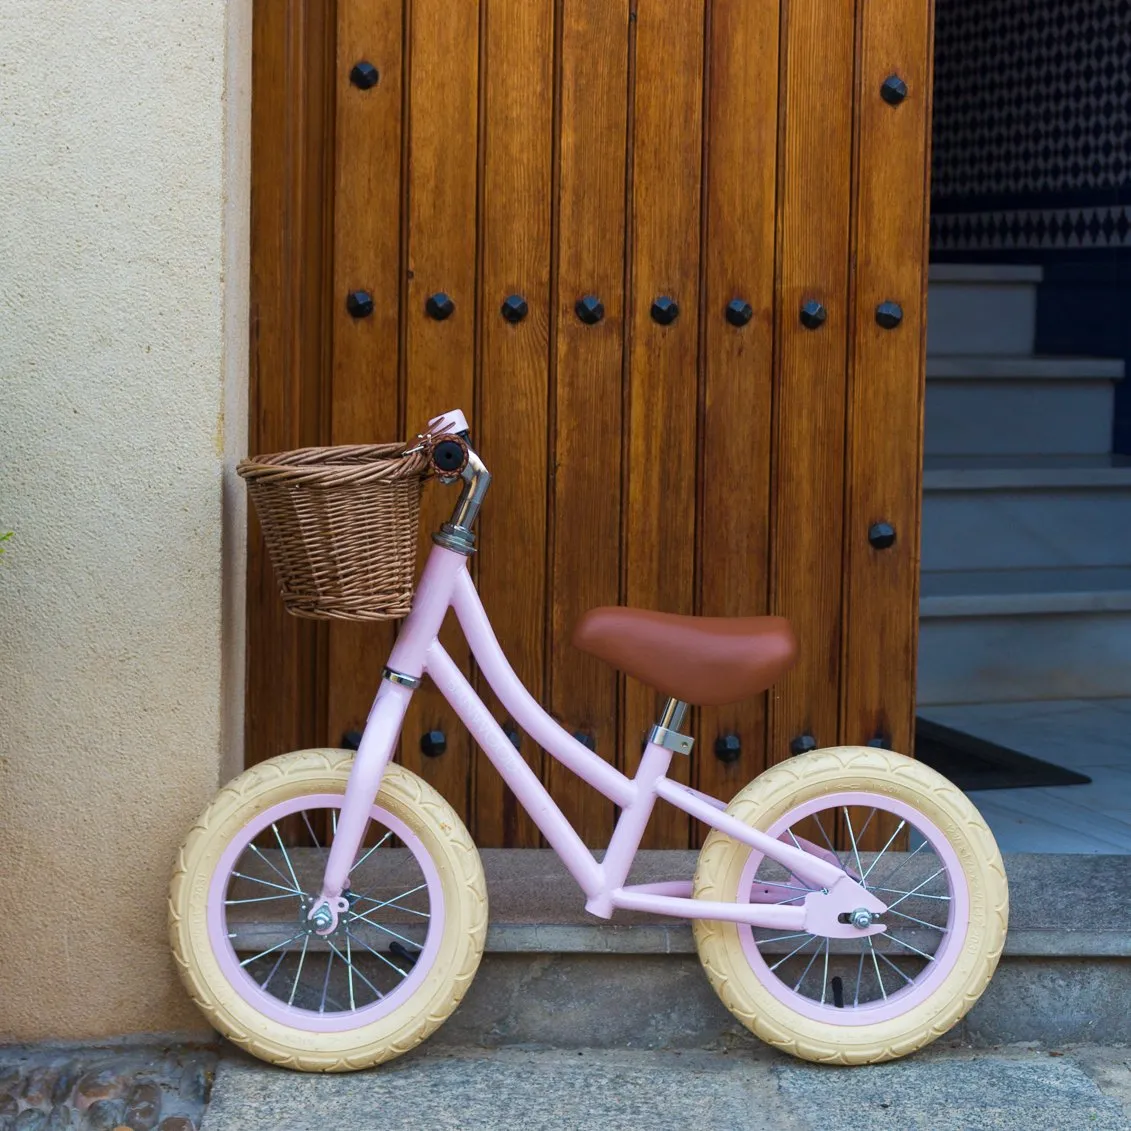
pixel 403 953
pixel 916 842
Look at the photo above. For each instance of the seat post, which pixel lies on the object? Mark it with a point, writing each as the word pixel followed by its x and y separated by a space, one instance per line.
pixel 666 732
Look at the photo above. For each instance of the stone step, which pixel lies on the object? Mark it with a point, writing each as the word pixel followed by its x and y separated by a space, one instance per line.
pixel 981 309
pixel 988 404
pixel 536 907
pixel 1020 634
pixel 1001 513
pixel 555 976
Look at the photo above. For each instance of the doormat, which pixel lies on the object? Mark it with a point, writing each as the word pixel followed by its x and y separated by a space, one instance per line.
pixel 974 763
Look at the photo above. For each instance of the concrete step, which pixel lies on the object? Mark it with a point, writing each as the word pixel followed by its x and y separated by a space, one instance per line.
pixel 980 309
pixel 998 513
pixel 1020 634
pixel 994 404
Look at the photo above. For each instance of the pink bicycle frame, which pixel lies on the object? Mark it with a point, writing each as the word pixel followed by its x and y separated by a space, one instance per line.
pixel 445 584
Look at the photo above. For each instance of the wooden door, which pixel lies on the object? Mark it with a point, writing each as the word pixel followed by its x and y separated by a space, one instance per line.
pixel 698 207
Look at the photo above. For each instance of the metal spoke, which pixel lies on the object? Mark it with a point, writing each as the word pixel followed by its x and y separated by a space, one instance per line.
pixel 266 860
pixel 349 969
pixel 278 963
pixel 932 876
pixel 921 922
pixel 898 830
pixel 298 972
pixel 900 865
pixel 267 883
pixel 334 820
pixel 859 978
pixel 363 859
pixel 378 954
pixel 867 823
pixel 272 949
pixel 264 898
pixel 825 980
pixel 876 963
pixel 359 973
pixel 797 986
pixel 776 884
pixel 792 953
pixel 385 903
pixel 782 938
pixel 918 895
pixel 390 931
pixel 821 826
pixel 389 902
pixel 326 980
pixel 908 980
pixel 313 835
pixel 852 837
pixel 286 855
pixel 900 942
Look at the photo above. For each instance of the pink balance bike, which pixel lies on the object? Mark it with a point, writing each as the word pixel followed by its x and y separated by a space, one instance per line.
pixel 352 949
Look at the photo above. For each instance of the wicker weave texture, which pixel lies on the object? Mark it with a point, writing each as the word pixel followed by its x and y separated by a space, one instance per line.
pixel 341 527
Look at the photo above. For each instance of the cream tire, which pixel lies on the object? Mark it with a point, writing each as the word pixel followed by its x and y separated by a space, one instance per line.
pixel 444 837
pixel 850 769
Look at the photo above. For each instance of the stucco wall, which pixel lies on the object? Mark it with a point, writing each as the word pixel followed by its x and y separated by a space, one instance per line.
pixel 123 343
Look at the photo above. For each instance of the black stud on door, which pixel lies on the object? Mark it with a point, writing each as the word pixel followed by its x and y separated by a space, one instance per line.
pixel 439 306
pixel 589 309
pixel 665 310
pixel 739 312
pixel 813 314
pixel 364 75
pixel 359 304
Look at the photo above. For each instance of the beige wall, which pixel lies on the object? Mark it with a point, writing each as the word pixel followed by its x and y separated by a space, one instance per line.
pixel 124 134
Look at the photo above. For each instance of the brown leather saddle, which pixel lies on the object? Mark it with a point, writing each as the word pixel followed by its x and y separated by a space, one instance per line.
pixel 707 661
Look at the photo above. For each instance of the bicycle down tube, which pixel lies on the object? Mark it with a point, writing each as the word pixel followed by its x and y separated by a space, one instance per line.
pixel 446 583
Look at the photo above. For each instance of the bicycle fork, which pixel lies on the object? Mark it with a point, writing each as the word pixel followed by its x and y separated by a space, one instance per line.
pixel 375 751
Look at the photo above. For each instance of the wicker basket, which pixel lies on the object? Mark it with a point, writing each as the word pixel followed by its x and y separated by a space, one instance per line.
pixel 341 527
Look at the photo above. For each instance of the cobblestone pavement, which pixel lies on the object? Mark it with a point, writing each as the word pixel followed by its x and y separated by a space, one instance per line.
pixel 111 1088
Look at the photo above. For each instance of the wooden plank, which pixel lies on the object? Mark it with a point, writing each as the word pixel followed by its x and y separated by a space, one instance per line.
pixel 667 157
pixel 587 392
pixel 290 254
pixel 815 115
pixel 366 258
pixel 511 421
pixel 737 406
pixel 885 408
pixel 443 80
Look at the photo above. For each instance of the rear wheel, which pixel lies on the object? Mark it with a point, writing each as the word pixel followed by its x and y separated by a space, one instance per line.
pixel 403 953
pixel 934 863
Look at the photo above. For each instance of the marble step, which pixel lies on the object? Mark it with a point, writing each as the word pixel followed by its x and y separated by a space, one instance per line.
pixel 1024 634
pixel 981 309
pixel 1001 513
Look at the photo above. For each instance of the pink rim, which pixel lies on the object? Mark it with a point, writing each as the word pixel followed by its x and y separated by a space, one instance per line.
pixel 294 1016
pixel 906 998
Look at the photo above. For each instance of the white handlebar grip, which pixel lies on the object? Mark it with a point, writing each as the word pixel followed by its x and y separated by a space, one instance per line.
pixel 453 421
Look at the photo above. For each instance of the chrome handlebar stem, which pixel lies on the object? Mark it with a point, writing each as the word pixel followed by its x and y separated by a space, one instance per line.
pixel 456 534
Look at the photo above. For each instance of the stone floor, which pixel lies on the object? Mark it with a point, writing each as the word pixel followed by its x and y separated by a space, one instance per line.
pixel 946 1087
pixel 109 1088
pixel 940 1089
pixel 1092 736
